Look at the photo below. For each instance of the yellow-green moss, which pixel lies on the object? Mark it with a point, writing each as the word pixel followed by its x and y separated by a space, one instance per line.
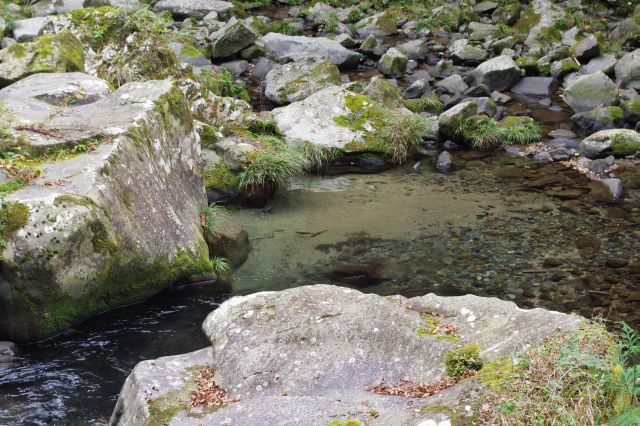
pixel 528 20
pixel 457 361
pixel 220 178
pixel 14 215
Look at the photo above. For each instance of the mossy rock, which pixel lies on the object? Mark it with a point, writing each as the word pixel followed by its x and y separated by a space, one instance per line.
pixel 60 52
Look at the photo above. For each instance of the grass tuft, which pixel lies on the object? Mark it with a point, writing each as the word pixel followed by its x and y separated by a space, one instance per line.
pixel 401 135
pixel 211 216
pixel 272 167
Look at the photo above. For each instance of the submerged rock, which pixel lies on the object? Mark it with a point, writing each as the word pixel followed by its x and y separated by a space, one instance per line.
pixel 307 354
pixel 296 48
pixel 295 81
pixel 115 220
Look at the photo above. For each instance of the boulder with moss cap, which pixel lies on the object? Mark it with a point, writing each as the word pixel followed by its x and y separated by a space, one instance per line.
pixel 619 142
pixel 114 217
pixel 295 81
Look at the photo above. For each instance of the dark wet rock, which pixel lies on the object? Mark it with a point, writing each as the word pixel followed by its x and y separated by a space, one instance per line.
pixel 614 185
pixel 393 63
pixel 588 245
pixel 414 49
pixel 295 81
pixel 587 48
pixel 552 262
pixel 559 154
pixel 453 84
pixel 232 243
pixel 610 117
pixel 543 157
pixel 535 86
pixel 294 48
pixel 569 144
pixel 7 351
pixel 619 142
pixel 590 91
pixel 195 8
pixel 328 352
pixel 616 262
pixel 478 90
pixel 231 39
pixel 451 146
pixel 599 166
pixel 417 89
pixel 604 63
pixel 628 70
pixel 499 73
pixel 444 162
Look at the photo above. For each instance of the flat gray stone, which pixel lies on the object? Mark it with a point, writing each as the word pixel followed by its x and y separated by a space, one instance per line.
pixel 535 86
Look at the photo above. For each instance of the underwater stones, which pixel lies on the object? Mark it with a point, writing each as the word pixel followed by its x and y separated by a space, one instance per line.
pixel 231 39
pixel 295 81
pixel 113 224
pixel 444 161
pixel 232 244
pixel 589 91
pixel 619 142
pixel 628 70
pixel 393 63
pixel 296 48
pixel 60 52
pixel 535 86
pixel 323 345
pixel 499 73
pixel 614 186
pixel 194 8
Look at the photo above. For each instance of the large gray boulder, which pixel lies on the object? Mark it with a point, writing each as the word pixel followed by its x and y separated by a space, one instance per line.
pixel 28 29
pixel 463 52
pixel 195 8
pixel 296 48
pixel 620 142
pixel 307 355
pixel 589 91
pixel 231 39
pixel 415 49
pixel 393 63
pixel 114 221
pixel 536 86
pixel 381 24
pixel 295 81
pixel 628 70
pixel 499 73
pixel 60 52
pixel 337 117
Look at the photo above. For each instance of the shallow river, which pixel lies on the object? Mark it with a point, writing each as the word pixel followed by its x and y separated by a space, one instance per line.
pixel 538 235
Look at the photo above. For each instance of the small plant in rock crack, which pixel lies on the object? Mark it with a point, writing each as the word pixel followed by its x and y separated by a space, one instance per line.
pixel 211 216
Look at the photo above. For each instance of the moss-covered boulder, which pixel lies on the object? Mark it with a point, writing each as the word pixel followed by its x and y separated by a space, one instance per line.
pixel 60 52
pixel 340 117
pixel 113 216
pixel 231 39
pixel 590 91
pixel 602 118
pixel 379 25
pixel 393 63
pixel 332 355
pixel 619 142
pixel 449 120
pixel 508 13
pixel 295 81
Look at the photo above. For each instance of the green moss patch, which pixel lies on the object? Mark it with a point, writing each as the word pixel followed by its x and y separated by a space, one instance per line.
pixel 459 361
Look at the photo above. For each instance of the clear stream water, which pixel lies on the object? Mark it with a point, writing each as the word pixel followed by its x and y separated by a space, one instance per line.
pixel 485 228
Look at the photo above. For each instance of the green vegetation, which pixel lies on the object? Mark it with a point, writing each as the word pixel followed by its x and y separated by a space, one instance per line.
pixel 283 27
pixel 484 133
pixel 350 422
pixel 330 23
pixel 13 216
pixel 459 361
pixel 211 215
pixel 589 377
pixel 519 130
pixel 425 104
pixel 401 135
pixel 275 165
pixel 220 266
pixel 223 84
pixel 318 156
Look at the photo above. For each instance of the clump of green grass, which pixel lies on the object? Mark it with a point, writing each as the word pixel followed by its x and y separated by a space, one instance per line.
pixel 425 104
pixel 318 156
pixel 283 27
pixel 527 133
pixel 480 131
pixel 211 216
pixel 355 15
pixel 330 23
pixel 588 377
pixel 272 167
pixel 401 134
pixel 220 266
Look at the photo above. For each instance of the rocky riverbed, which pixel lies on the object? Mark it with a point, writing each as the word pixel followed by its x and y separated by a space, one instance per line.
pixel 506 132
